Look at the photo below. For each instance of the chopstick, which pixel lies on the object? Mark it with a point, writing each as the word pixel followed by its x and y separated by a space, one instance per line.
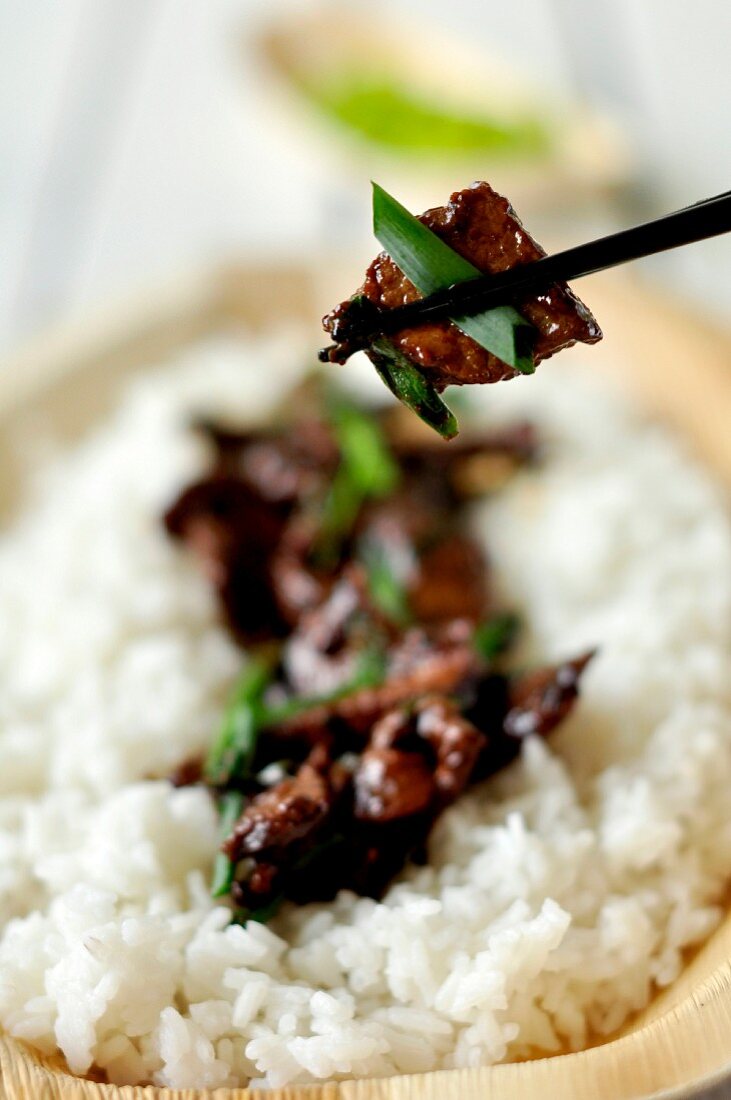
pixel 707 218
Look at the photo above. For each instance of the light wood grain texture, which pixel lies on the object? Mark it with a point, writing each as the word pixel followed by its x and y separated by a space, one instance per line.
pixel 680 368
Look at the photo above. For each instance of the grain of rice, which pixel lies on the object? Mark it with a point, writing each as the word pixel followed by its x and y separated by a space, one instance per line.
pixel 557 897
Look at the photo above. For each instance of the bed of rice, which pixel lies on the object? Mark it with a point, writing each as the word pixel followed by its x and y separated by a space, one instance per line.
pixel 557 896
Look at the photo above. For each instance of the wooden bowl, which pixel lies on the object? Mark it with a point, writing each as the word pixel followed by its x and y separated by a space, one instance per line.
pixel 680 368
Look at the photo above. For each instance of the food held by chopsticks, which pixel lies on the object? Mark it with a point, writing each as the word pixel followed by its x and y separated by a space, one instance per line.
pixel 476 232
pixel 463 294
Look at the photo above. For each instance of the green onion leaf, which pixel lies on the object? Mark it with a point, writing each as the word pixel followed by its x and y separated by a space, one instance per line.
pixel 232 753
pixel 432 265
pixel 493 637
pixel 340 511
pixel 378 107
pixel 367 470
pixel 386 590
pixel 364 449
pixel 409 385
pixel 370 672
pixel 230 807
pixel 262 914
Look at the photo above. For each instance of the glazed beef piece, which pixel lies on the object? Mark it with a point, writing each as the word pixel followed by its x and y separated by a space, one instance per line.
pixel 392 783
pixel 326 649
pixel 334 826
pixel 248 522
pixel 539 700
pixel 450 581
pixel 325 829
pixel 509 709
pixel 407 520
pixel 299 585
pixel 188 773
pixel 482 227
pixel 418 759
pixel 442 571
pixel 455 742
pixel 233 532
pixel 253 523
pixel 282 826
pixel 280 465
pixel 421 663
pixel 436 662
pixel 290 813
pixel 418 532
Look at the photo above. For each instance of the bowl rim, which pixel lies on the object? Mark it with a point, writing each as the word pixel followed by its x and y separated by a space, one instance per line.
pixel 679 1047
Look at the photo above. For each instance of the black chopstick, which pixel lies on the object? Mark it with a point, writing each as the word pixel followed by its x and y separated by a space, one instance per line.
pixel 708 218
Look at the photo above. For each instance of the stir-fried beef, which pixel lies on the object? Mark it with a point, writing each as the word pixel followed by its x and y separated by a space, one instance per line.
pixel 233 532
pixel 540 700
pixel 443 572
pixel 482 227
pixel 406 521
pixel 415 760
pixel 378 698
pixel 318 658
pixel 451 581
pixel 289 813
pixel 188 773
pixel 509 709
pixel 392 783
pixel 298 584
pixel 420 663
pixel 239 521
pixel 283 466
pixel 455 741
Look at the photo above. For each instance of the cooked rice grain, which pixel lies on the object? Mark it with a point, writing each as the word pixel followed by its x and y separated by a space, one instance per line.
pixel 557 897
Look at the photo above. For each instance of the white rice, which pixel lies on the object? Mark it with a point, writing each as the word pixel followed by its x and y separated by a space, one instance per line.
pixel 557 897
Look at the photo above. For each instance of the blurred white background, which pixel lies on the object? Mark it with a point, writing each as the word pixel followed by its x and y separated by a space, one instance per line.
pixel 136 139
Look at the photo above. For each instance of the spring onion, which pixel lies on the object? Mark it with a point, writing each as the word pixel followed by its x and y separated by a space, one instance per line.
pixel 367 471
pixel 409 385
pixel 385 589
pixel 492 637
pixel 232 753
pixel 432 265
pixel 230 807
pixel 369 672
